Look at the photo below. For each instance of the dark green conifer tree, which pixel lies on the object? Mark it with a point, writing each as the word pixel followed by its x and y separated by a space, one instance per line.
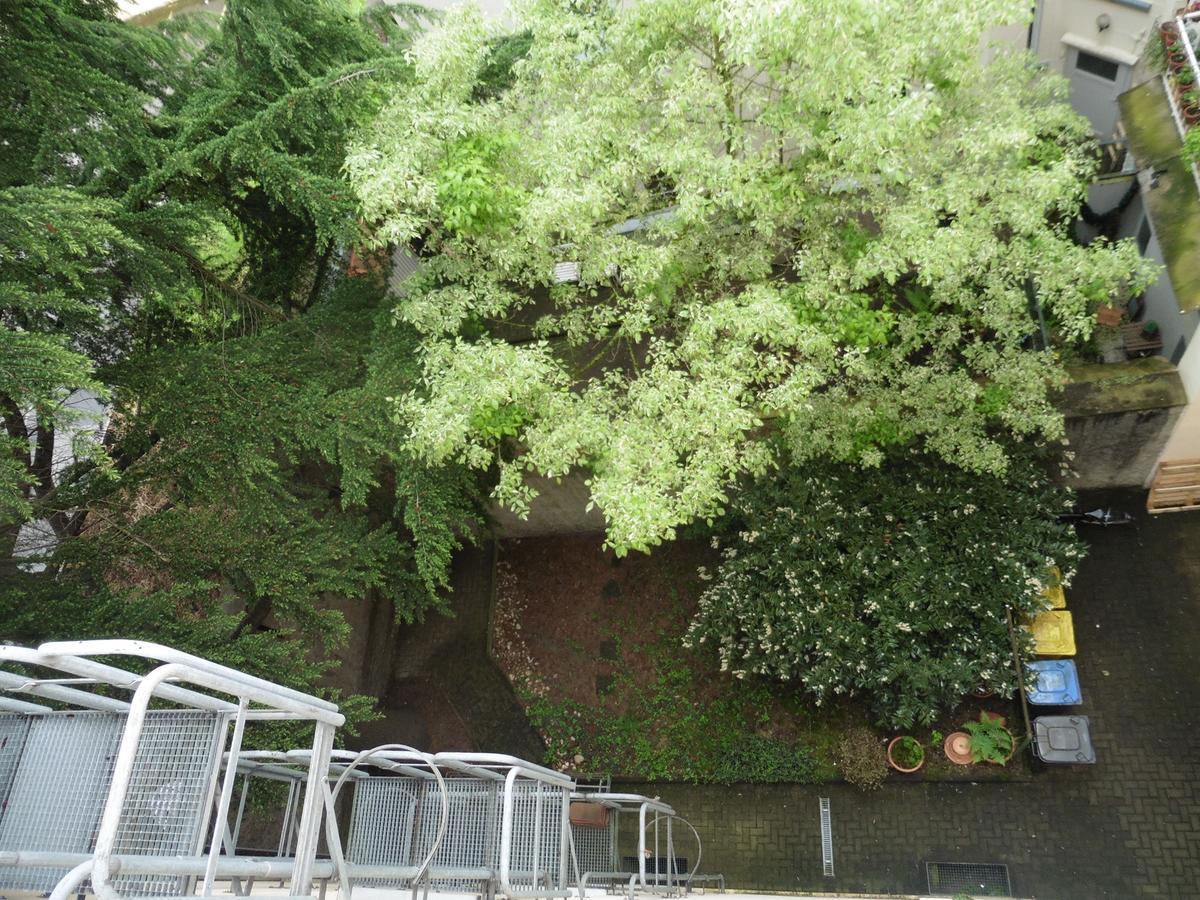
pixel 175 231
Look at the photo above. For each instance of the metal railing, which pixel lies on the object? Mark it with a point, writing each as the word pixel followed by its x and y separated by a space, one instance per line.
pixel 1181 24
pixel 598 853
pixel 488 823
pixel 106 790
pixel 125 784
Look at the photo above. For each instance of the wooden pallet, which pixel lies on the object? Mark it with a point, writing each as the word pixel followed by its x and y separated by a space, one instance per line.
pixel 1176 487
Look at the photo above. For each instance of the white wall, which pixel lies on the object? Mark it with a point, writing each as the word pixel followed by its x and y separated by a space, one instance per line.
pixel 1184 442
pixel 1125 40
pixel 1161 305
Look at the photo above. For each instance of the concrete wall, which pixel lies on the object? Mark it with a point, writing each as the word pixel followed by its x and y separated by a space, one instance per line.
pixel 1119 418
pixel 559 508
pixel 1184 442
pixel 1161 305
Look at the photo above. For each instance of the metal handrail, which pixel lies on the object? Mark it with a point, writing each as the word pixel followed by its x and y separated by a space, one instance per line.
pixel 112 676
pixel 164 654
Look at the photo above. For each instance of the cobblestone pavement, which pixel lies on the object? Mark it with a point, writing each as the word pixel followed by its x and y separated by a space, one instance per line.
pixel 1127 827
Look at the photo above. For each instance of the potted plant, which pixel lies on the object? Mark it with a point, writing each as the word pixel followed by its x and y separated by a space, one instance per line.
pixel 1150 330
pixel 1170 34
pixel 905 754
pixel 990 741
pixel 1191 107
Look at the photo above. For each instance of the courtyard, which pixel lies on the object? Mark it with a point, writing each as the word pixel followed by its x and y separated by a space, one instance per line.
pixel 1126 827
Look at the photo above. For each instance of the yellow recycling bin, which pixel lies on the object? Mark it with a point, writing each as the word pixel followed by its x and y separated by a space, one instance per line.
pixel 1053 633
pixel 1053 592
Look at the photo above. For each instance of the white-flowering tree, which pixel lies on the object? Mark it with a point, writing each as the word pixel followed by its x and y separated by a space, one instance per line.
pixel 823 223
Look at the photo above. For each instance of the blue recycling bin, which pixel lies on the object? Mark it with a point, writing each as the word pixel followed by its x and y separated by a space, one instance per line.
pixel 1057 683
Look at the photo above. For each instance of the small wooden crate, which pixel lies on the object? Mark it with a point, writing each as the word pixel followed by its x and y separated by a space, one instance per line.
pixel 1176 487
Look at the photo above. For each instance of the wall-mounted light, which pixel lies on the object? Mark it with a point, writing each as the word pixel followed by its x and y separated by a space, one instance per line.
pixel 1103 22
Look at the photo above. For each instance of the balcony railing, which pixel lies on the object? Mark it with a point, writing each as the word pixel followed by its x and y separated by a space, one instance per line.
pixel 1181 40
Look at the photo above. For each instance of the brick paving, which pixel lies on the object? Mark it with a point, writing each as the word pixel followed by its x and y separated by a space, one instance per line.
pixel 1127 827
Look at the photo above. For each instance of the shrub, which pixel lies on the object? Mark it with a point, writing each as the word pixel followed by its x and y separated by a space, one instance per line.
pixel 889 583
pixel 862 759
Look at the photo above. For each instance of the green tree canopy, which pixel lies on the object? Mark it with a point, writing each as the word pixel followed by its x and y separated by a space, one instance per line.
pixel 86 273
pixel 689 224
pixel 176 227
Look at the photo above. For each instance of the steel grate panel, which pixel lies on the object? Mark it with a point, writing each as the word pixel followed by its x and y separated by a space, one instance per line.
pixel 826 838
pixel 537 833
pixel 165 806
pixel 595 848
pixel 14 728
pixel 975 879
pixel 61 783
pixel 473 834
pixel 58 791
pixel 381 825
pixel 395 820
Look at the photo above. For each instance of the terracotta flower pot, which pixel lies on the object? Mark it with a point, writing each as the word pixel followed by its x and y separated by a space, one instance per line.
pixel 982 692
pixel 957 748
pixel 892 759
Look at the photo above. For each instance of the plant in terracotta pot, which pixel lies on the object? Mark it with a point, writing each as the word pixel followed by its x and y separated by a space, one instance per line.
pixel 990 741
pixel 905 754
pixel 1191 106
pixel 1170 33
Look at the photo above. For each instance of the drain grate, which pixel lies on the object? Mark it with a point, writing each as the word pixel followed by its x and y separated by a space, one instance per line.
pixel 975 879
pixel 826 838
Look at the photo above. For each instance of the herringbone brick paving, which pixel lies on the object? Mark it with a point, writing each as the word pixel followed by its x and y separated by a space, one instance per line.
pixel 1127 827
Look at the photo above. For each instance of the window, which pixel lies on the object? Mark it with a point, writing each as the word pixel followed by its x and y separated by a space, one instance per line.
pixel 1144 235
pixel 1096 65
pixel 1177 353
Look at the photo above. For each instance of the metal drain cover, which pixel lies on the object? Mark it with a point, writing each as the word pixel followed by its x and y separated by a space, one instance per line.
pixel 975 879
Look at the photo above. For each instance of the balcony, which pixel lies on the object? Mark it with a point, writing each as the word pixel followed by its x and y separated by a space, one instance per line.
pixel 1157 116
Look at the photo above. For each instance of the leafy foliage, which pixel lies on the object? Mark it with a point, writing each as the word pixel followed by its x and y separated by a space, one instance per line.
pixel 173 223
pixel 260 135
pixel 669 730
pixel 778 229
pixel 86 273
pixel 908 752
pixel 890 584
pixel 990 741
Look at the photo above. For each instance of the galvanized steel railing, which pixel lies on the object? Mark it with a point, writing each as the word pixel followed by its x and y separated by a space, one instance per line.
pixel 141 784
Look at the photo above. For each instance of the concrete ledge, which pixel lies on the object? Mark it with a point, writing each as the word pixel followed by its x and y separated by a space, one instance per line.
pixel 1137 385
pixel 1119 417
